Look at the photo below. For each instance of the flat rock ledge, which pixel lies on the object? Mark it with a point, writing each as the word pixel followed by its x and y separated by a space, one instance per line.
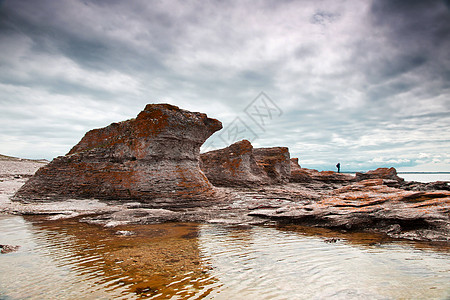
pixel 371 205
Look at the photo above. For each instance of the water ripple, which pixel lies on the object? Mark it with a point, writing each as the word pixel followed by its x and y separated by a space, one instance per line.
pixel 73 261
pixel 268 264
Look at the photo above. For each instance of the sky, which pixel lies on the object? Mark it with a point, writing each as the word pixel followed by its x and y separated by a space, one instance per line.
pixel 363 83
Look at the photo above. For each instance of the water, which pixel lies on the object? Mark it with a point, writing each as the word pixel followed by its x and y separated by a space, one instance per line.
pixel 425 177
pixel 72 260
pixel 421 176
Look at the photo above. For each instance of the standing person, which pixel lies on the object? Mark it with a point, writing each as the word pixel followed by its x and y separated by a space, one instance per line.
pixel 338 166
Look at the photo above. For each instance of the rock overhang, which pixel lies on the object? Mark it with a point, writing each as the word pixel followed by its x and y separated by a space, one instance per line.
pixel 155 155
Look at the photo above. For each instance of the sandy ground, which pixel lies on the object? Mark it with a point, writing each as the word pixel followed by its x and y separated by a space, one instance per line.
pixel 14 172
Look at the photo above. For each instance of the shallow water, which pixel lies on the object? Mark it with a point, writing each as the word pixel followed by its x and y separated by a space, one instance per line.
pixel 72 260
pixel 425 177
pixel 421 176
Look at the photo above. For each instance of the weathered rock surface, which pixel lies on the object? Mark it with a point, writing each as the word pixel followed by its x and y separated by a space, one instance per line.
pixel 276 163
pixel 294 164
pixel 311 175
pixel 380 173
pixel 424 186
pixel 234 165
pixel 372 205
pixel 152 158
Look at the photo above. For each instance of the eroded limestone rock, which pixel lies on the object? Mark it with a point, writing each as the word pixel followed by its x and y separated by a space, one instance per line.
pixel 154 156
pixel 234 165
pixel 276 162
pixel 311 175
pixel 242 165
pixel 380 173
pixel 294 164
pixel 372 205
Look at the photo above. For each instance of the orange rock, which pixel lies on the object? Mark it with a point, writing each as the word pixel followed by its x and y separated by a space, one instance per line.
pixel 382 173
pixel 372 205
pixel 234 165
pixel 276 163
pixel 294 164
pixel 309 175
pixel 155 155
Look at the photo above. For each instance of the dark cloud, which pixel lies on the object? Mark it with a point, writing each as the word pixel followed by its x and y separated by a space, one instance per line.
pixel 365 83
pixel 419 31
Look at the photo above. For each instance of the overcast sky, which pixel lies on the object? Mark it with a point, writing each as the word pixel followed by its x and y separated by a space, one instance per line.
pixel 365 83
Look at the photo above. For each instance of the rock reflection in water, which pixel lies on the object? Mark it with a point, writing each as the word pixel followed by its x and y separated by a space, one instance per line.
pixel 157 261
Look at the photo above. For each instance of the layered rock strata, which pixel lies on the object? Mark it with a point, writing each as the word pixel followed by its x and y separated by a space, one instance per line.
pixel 374 206
pixel 154 156
pixel 294 164
pixel 311 175
pixel 380 173
pixel 276 163
pixel 234 165
pixel 242 165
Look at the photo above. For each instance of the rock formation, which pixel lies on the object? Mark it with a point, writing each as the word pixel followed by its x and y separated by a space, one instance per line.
pixel 311 175
pixel 154 156
pixel 242 165
pixel 234 165
pixel 294 164
pixel 380 173
pixel 372 205
pixel 276 163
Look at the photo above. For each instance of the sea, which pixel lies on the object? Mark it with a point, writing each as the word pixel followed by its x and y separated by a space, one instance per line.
pixel 424 176
pixel 420 176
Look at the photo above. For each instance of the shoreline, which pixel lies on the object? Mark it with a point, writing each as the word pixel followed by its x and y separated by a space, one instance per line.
pixel 379 208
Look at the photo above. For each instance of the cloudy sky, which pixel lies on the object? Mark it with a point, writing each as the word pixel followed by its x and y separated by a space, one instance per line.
pixel 366 83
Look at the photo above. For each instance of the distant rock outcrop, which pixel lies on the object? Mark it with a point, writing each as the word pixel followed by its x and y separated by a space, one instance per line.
pixel 234 165
pixel 380 173
pixel 310 175
pixel 154 156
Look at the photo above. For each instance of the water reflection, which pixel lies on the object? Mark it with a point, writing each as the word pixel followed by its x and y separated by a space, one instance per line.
pixel 72 260
pixel 157 261
pixel 294 262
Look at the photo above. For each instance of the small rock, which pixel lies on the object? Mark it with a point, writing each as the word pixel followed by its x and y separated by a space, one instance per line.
pixel 331 240
pixel 8 248
pixel 396 228
pixel 125 232
pixel 234 165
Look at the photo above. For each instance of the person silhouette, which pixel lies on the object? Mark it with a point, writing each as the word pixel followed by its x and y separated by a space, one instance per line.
pixel 338 166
